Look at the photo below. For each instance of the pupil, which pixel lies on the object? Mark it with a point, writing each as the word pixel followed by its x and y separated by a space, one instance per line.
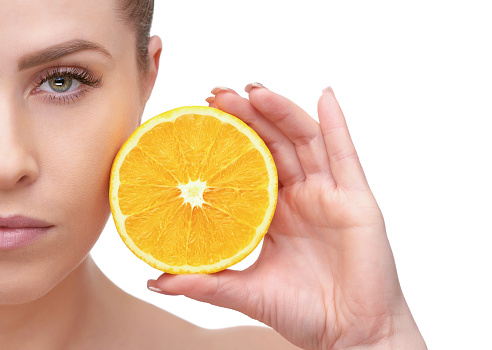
pixel 59 81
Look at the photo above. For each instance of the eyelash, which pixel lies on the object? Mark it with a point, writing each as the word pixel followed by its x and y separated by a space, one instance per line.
pixel 82 75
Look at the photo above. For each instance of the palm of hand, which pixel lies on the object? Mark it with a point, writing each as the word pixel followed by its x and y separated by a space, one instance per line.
pixel 315 245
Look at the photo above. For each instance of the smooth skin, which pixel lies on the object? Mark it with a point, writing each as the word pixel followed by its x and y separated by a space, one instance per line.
pixel 326 277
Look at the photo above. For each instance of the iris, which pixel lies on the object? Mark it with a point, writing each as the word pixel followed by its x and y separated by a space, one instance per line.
pixel 61 83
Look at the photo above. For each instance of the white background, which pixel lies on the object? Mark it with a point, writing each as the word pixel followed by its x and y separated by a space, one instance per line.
pixel 414 80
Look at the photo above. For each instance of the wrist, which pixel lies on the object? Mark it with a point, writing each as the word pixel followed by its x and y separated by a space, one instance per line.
pixel 403 334
pixel 406 334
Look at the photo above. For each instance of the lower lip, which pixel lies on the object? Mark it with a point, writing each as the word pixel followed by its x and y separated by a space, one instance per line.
pixel 13 238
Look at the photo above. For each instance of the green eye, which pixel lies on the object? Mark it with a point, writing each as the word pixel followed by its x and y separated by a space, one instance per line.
pixel 60 83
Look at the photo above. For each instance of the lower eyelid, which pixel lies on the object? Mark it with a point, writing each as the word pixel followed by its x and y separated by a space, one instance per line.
pixel 64 98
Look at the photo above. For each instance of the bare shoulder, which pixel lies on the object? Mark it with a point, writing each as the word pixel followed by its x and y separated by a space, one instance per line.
pixel 131 323
pixel 171 332
pixel 164 330
pixel 246 337
pixel 155 328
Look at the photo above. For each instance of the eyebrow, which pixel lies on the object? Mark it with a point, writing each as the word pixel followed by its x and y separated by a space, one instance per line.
pixel 52 53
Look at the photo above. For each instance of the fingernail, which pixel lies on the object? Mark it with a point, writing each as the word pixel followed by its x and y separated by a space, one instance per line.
pixel 151 286
pixel 218 89
pixel 328 90
pixel 210 99
pixel 250 87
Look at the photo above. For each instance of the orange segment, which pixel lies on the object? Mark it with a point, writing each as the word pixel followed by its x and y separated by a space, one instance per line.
pixel 140 169
pixel 137 198
pixel 230 227
pixel 230 145
pixel 195 136
pixel 172 244
pixel 246 171
pixel 245 205
pixel 159 144
pixel 193 190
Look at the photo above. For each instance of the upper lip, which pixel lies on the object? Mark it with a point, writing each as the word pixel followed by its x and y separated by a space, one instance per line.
pixel 19 221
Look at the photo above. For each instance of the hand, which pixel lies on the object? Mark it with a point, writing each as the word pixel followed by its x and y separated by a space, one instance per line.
pixel 326 277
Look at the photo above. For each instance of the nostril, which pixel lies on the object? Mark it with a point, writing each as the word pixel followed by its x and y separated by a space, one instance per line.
pixel 23 179
pixel 18 171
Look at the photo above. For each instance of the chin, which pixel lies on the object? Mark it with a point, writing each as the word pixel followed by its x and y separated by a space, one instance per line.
pixel 21 292
pixel 36 278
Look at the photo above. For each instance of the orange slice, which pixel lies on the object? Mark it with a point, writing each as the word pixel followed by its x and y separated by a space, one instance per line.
pixel 193 190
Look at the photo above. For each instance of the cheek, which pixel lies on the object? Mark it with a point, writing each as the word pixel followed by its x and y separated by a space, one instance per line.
pixel 77 164
pixel 74 153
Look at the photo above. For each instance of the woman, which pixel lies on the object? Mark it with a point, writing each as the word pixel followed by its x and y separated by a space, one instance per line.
pixel 74 80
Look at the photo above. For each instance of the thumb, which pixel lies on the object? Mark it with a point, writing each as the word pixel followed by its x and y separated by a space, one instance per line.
pixel 226 288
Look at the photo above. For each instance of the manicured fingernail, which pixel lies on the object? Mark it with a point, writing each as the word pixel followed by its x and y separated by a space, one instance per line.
pixel 250 87
pixel 210 99
pixel 218 89
pixel 328 90
pixel 151 286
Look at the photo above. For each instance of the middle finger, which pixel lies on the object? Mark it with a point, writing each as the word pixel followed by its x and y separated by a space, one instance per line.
pixel 302 130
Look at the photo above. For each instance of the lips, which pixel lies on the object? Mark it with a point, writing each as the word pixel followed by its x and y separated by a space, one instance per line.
pixel 22 222
pixel 19 231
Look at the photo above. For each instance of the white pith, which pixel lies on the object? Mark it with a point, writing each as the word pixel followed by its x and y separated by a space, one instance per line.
pixel 192 192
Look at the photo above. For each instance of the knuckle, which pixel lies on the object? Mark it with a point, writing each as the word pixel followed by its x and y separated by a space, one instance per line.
pixel 308 138
pixel 331 129
pixel 343 155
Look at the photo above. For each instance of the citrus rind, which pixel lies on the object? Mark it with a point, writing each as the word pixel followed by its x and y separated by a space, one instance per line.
pixel 170 116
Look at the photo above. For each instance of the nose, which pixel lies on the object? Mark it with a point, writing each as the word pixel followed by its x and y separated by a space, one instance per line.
pixel 18 167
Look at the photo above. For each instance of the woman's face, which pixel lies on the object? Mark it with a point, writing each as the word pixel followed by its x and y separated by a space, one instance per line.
pixel 70 94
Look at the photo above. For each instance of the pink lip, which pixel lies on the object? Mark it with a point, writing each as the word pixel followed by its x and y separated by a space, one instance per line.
pixel 19 231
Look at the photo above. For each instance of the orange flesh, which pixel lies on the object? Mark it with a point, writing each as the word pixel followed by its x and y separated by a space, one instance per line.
pixel 192 148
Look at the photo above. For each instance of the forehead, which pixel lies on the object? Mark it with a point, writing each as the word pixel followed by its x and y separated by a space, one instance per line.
pixel 31 25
